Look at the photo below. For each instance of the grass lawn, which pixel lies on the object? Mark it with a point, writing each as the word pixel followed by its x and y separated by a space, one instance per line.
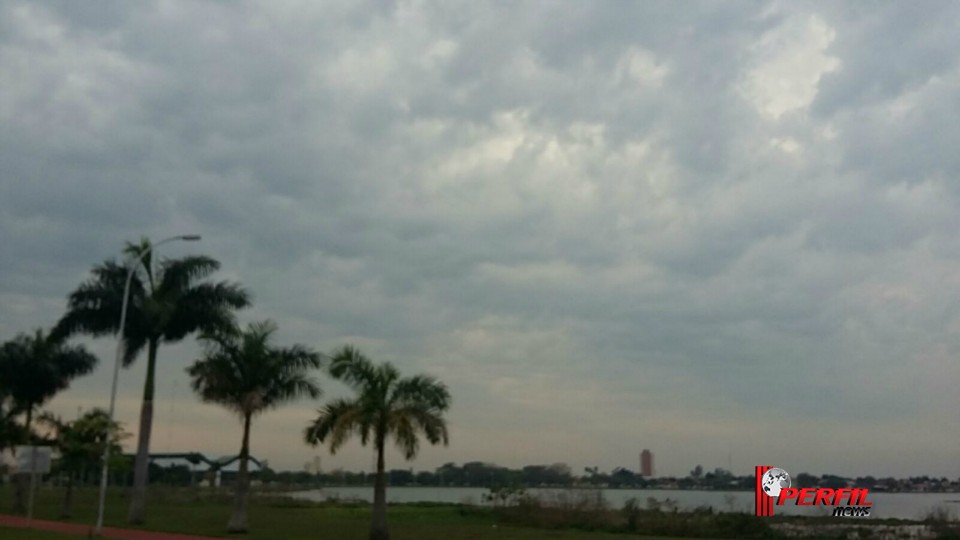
pixel 197 512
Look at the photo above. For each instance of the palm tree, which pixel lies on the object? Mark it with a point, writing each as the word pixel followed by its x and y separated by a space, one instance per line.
pixel 164 307
pixel 33 368
pixel 245 373
pixel 385 404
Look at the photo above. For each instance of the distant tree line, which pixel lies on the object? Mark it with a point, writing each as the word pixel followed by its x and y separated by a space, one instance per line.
pixel 489 475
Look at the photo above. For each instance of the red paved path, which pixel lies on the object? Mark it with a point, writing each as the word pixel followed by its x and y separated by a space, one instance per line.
pixel 84 529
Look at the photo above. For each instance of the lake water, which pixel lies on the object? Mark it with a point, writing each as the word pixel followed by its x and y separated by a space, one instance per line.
pixel 885 505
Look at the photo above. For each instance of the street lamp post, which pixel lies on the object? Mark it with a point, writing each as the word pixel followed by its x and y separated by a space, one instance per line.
pixel 131 265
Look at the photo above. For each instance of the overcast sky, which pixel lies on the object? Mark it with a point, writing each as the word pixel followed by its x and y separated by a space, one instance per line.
pixel 727 232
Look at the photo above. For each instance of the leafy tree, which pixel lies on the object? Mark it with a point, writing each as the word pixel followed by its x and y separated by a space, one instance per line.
pixel 164 307
pixel 33 368
pixel 400 477
pixel 244 372
pixel 426 478
pixel 621 477
pixel 80 444
pixel 720 478
pixel 547 475
pixel 868 482
pixel 686 483
pixel 478 473
pixel 806 480
pixel 832 481
pixel 449 474
pixel 385 404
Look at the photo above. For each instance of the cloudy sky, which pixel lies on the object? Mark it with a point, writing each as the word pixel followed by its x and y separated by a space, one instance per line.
pixel 727 232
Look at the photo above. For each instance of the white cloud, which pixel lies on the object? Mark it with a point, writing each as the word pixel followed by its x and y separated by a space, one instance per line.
pixel 640 67
pixel 788 63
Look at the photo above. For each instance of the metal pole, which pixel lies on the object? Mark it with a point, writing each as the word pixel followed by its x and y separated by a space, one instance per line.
pixel 104 472
pixel 33 483
pixel 113 400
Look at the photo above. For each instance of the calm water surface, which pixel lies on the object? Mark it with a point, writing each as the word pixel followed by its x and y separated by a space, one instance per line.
pixel 885 505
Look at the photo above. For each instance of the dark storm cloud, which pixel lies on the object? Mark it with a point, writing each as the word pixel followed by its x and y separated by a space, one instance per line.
pixel 887 49
pixel 635 215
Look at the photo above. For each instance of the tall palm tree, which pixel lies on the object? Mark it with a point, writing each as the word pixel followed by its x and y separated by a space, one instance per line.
pixel 33 368
pixel 384 405
pixel 164 307
pixel 245 373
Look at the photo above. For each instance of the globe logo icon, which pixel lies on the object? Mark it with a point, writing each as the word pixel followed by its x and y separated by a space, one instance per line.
pixel 774 480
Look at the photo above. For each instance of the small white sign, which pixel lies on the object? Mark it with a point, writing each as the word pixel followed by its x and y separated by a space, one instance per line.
pixel 33 459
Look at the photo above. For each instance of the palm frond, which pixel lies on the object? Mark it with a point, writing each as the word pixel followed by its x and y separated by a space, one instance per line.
pixel 35 367
pixel 180 274
pixel 94 307
pixel 385 405
pixel 142 254
pixel 335 422
pixel 134 343
pixel 426 420
pixel 300 357
pixel 353 368
pixel 405 435
pixel 207 307
pixel 74 361
pixel 292 388
pixel 421 389
pixel 244 372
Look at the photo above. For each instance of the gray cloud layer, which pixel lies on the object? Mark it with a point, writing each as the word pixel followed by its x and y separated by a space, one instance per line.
pixel 708 229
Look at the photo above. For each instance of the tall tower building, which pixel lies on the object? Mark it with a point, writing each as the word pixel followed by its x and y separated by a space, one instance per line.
pixel 646 463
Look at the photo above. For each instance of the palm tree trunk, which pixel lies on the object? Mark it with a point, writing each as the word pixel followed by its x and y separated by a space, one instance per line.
pixel 238 519
pixel 22 480
pixel 141 467
pixel 378 530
